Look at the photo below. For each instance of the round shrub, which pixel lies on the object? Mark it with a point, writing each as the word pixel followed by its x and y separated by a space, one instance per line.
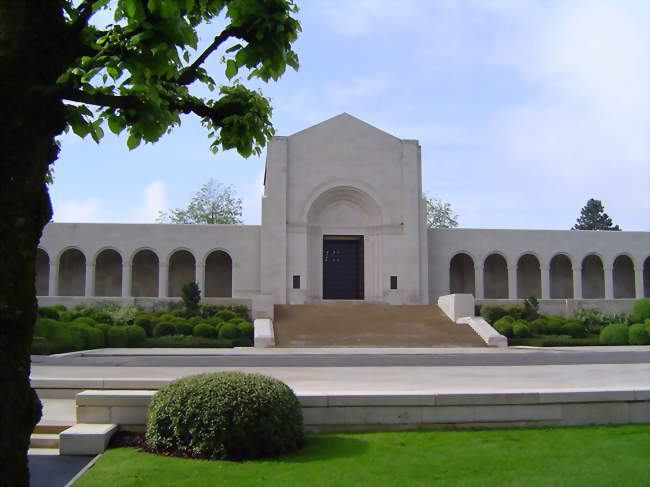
pixel 183 328
pixel 117 336
pixel 225 415
pixel 215 321
pixel 554 324
pixel 48 312
pixel 194 320
pixel 504 326
pixel 242 342
pixel 136 336
pixel 103 327
pixel 614 334
pixel 58 307
pixel 85 320
pixel 538 326
pixel 102 317
pixel 492 313
pixel 245 329
pixel 65 316
pixel 229 331
pixel 574 329
pixel 641 308
pixel 204 330
pixel 638 335
pixel 178 321
pixel 163 328
pixel 167 317
pixel 520 329
pixel 146 322
pixel 226 314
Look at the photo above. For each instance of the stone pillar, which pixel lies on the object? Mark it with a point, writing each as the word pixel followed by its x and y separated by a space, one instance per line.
pixel 577 282
pixel 126 280
pixel 609 282
pixel 163 276
pixel 638 281
pixel 89 289
pixel 512 281
pixel 478 281
pixel 200 277
pixel 54 278
pixel 546 281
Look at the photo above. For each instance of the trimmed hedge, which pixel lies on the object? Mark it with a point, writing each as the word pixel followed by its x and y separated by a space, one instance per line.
pixel 225 415
pixel 163 328
pixel 204 330
pixel 641 308
pixel 504 326
pixel 614 334
pixel 118 336
pixel 520 329
pixel 136 336
pixel 181 341
pixel 229 331
pixel 638 335
pixel 183 328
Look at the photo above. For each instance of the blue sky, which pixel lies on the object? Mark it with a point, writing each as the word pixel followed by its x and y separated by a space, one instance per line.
pixel 524 109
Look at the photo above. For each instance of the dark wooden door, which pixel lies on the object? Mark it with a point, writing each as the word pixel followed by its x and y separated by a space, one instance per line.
pixel 343 267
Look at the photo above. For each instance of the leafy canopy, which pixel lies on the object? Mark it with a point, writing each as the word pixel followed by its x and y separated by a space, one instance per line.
pixel 593 217
pixel 439 213
pixel 212 204
pixel 137 72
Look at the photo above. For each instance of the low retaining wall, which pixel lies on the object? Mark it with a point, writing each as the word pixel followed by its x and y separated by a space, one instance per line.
pixel 356 412
pixel 567 307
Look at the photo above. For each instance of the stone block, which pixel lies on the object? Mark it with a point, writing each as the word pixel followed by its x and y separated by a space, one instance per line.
pixel 314 416
pixel 595 413
pixel 263 333
pixel 383 415
pixel 375 400
pixel 313 400
pixel 128 415
pixel 86 439
pixel 114 398
pixel 93 414
pixel 486 399
pixel 580 396
pixel 639 412
pixel 448 414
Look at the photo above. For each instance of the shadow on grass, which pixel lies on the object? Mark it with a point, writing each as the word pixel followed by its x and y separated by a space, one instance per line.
pixel 317 448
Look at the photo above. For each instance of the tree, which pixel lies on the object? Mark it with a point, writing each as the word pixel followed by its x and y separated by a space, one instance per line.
pixel 60 71
pixel 439 213
pixel 593 217
pixel 212 204
pixel 191 295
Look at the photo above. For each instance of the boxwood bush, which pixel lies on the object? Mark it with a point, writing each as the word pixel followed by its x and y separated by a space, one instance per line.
pixel 638 335
pixel 614 334
pixel 183 328
pixel 204 330
pixel 226 314
pixel 225 415
pixel 163 328
pixel 136 336
pixel 228 330
pixel 641 308
pixel 520 329
pixel 504 326
pixel 117 336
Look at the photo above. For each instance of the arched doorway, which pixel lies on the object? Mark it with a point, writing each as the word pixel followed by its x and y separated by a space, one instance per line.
pixel 72 273
pixel 108 273
pixel 42 267
pixel 561 277
pixel 593 278
pixel 182 269
pixel 461 274
pixel 145 274
pixel 529 277
pixel 495 277
pixel 623 276
pixel 646 278
pixel 218 275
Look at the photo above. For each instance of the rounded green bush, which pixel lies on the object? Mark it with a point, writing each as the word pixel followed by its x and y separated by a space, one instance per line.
pixel 91 336
pixel 538 326
pixel 136 336
pixel 117 336
pixel 574 328
pixel 638 335
pixel 65 316
pixel 102 317
pixel 614 334
pixel 245 329
pixel 641 308
pixel 103 327
pixel 178 321
pixel 520 329
pixel 504 326
pixel 492 313
pixel 163 328
pixel 48 312
pixel 167 317
pixel 225 415
pixel 204 330
pixel 554 324
pixel 226 314
pixel 85 320
pixel 194 320
pixel 229 331
pixel 146 322
pixel 183 328
pixel 215 321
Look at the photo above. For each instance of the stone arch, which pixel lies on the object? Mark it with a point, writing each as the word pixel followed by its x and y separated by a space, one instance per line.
pixel 646 277
pixel 42 268
pixel 461 274
pixel 495 277
pixel 593 277
pixel 623 277
pixel 561 277
pixel 108 273
pixel 72 273
pixel 346 211
pixel 182 269
pixel 529 277
pixel 218 275
pixel 145 273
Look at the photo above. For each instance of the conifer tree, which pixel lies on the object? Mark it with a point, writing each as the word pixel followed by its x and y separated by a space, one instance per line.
pixel 593 217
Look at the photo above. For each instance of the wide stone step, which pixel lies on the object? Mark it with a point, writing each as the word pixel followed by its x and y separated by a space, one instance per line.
pixel 44 440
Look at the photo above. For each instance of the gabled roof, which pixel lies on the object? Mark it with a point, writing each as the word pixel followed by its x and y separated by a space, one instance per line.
pixel 344 122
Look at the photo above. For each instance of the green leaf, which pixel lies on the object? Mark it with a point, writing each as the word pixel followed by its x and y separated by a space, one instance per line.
pixel 116 124
pixel 133 141
pixel 231 68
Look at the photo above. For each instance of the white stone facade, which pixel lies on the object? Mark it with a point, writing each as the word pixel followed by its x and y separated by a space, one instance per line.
pixel 342 218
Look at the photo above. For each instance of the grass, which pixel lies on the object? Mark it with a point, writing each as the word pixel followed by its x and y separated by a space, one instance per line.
pixel 578 456
pixel 555 341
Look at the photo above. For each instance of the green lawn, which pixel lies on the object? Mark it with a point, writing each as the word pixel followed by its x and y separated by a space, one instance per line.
pixel 589 456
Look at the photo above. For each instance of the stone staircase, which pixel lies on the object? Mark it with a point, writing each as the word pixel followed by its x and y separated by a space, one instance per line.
pixel 353 324
pixel 58 416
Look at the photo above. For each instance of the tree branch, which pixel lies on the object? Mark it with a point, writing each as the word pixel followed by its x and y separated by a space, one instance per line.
pixel 188 75
pixel 99 99
pixel 84 12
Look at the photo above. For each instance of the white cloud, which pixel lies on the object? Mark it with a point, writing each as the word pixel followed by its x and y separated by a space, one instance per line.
pixel 154 200
pixel 360 17
pixel 78 211
pixel 252 200
pixel 343 93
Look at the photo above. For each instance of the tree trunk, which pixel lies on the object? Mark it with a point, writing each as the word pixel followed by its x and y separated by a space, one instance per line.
pixel 30 37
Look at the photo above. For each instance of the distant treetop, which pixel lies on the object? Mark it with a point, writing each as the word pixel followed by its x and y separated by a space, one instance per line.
pixel 593 217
